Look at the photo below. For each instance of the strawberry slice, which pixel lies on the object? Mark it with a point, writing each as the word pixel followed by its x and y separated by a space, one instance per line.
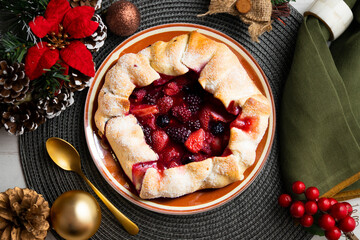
pixel 160 140
pixel 247 124
pixel 216 145
pixel 148 120
pixel 139 170
pixel 144 110
pixel 171 89
pixel 195 142
pixel 162 80
pixel 217 117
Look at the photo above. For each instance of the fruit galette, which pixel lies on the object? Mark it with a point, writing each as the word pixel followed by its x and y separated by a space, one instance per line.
pixel 181 116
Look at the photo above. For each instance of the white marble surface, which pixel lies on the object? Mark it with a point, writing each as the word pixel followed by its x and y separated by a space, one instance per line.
pixel 11 174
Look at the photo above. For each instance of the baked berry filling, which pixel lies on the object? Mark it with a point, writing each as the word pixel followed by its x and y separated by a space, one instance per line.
pixel 182 122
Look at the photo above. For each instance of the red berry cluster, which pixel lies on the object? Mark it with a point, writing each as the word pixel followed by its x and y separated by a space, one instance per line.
pixel 334 216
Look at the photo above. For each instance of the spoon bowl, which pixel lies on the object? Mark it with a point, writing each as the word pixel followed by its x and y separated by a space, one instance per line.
pixel 63 154
pixel 67 158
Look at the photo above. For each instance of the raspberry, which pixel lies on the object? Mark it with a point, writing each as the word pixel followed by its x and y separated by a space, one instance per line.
pixel 217 128
pixel 171 89
pixel 178 134
pixel 165 104
pixel 138 95
pixel 194 125
pixel 194 102
pixel 182 113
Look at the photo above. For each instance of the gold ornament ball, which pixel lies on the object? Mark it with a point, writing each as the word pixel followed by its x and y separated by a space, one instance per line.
pixel 123 18
pixel 75 215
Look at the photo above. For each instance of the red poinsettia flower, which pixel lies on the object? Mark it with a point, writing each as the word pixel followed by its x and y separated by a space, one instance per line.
pixel 60 27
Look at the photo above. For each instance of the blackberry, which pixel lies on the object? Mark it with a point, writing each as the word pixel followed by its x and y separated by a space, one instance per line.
pixel 162 120
pixel 217 128
pixel 178 134
pixel 194 125
pixel 147 134
pixel 194 101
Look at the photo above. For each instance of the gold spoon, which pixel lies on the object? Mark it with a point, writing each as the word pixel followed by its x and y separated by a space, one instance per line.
pixel 66 157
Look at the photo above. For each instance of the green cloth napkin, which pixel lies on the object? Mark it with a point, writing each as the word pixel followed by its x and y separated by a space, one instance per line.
pixel 320 110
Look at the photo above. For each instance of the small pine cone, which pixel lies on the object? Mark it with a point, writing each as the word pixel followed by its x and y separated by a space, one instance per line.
pixel 14 84
pixel 77 81
pixel 51 107
pixel 97 39
pixel 23 214
pixel 92 3
pixel 21 118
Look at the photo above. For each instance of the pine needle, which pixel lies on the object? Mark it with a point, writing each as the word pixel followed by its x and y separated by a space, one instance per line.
pixel 49 83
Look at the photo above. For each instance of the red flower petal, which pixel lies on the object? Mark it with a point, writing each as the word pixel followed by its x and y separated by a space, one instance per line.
pixel 41 26
pixel 38 58
pixel 56 10
pixel 54 14
pixel 78 57
pixel 77 22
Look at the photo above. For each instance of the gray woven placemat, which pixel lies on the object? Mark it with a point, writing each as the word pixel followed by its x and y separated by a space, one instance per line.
pixel 252 215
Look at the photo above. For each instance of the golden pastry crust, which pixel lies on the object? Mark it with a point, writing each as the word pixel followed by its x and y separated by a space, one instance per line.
pixel 221 74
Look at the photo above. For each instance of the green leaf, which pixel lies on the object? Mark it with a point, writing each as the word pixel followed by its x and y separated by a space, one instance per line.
pixel 315 229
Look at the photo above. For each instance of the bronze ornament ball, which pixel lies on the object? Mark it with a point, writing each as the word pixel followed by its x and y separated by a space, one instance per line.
pixel 123 18
pixel 75 215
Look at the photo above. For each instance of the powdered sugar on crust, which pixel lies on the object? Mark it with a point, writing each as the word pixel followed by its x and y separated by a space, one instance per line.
pixel 213 172
pixel 127 141
pixel 221 74
pixel 165 57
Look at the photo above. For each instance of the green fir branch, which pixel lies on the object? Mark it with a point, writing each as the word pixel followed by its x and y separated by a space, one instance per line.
pixel 49 83
pixel 15 16
pixel 13 48
pixel 24 10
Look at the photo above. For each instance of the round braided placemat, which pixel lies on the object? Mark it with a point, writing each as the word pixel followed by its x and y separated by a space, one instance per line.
pixel 254 214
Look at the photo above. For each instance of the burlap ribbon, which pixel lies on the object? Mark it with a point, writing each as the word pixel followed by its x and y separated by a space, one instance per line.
pixel 258 18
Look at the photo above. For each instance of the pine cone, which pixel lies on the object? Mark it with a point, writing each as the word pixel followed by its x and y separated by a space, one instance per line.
pixel 51 107
pixel 92 3
pixel 21 118
pixel 77 81
pixel 23 215
pixel 14 84
pixel 97 39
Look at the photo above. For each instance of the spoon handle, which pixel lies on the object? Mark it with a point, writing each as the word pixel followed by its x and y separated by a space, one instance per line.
pixel 129 226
